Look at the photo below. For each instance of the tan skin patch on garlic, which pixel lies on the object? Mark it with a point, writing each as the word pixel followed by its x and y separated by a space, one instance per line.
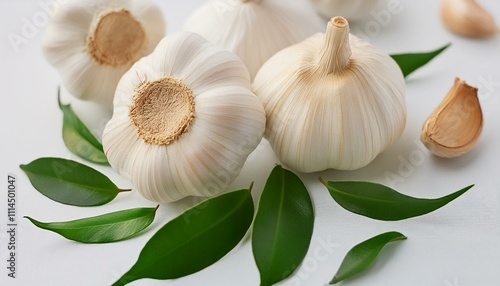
pixel 162 110
pixel 117 39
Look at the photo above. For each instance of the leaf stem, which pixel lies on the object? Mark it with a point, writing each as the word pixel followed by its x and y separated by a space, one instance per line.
pixel 250 188
pixel 59 97
pixel 323 182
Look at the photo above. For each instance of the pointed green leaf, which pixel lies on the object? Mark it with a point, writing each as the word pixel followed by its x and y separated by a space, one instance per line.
pixel 78 138
pixel 105 228
pixel 194 240
pixel 413 61
pixel 283 226
pixel 383 203
pixel 363 255
pixel 70 182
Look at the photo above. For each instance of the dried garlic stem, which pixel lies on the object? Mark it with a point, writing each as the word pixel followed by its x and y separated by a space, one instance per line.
pixel 335 55
pixel 454 127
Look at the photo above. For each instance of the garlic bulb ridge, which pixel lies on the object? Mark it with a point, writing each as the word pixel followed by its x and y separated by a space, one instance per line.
pixel 184 120
pixel 332 101
pixel 254 29
pixel 93 43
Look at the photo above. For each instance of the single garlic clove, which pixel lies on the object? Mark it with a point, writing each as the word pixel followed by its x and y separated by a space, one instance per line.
pixel 454 127
pixel 467 18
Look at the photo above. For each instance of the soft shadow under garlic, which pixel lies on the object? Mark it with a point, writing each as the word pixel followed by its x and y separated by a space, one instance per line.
pixel 453 129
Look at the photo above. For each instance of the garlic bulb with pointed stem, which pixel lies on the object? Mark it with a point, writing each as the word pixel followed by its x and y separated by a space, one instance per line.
pixel 467 18
pixel 453 129
pixel 332 101
pixel 92 43
pixel 254 29
pixel 352 10
pixel 184 120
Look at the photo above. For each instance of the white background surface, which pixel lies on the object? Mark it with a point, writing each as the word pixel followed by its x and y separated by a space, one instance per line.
pixel 458 245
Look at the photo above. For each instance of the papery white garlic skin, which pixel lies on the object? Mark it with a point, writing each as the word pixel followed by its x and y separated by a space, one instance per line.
pixel 352 10
pixel 467 18
pixel 201 92
pixel 92 43
pixel 332 101
pixel 254 29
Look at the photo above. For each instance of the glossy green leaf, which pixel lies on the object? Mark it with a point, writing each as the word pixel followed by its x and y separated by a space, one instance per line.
pixel 283 226
pixel 105 228
pixel 383 203
pixel 363 255
pixel 78 138
pixel 194 240
pixel 413 61
pixel 70 182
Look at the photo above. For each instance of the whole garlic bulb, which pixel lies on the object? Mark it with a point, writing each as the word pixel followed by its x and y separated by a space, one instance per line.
pixel 254 29
pixel 332 101
pixel 184 120
pixel 92 43
pixel 352 10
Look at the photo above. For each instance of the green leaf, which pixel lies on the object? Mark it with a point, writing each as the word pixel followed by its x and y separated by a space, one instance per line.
pixel 194 240
pixel 413 61
pixel 363 255
pixel 105 228
pixel 283 226
pixel 78 138
pixel 383 203
pixel 70 182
